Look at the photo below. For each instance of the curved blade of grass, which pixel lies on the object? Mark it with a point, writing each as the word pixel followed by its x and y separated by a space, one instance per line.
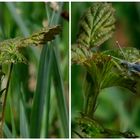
pixel 24 128
pixel 41 93
pixel 7 131
pixel 58 84
pixel 46 115
pixel 24 132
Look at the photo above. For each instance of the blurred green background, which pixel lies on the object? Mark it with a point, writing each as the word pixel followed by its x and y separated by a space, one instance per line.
pixel 22 19
pixel 116 108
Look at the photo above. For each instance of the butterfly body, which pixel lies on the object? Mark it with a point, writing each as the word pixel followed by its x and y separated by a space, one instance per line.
pixel 131 66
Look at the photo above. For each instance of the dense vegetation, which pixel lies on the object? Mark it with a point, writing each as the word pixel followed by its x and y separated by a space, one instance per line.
pixel 110 88
pixel 34 72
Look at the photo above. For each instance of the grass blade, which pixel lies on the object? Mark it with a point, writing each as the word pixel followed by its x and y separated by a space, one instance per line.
pixel 17 18
pixel 14 133
pixel 7 131
pixel 24 128
pixel 48 87
pixel 57 79
pixel 40 95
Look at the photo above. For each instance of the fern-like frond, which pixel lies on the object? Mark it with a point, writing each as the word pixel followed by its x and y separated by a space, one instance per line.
pixel 96 25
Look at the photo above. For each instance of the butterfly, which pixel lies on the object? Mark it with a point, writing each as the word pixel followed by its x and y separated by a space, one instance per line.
pixel 133 66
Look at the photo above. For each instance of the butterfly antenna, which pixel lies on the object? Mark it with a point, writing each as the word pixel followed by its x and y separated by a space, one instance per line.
pixel 120 49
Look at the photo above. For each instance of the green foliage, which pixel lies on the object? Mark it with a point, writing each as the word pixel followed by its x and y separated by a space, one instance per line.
pixel 9 49
pixel 79 55
pixel 10 54
pixel 25 111
pixel 128 54
pixel 91 128
pixel 125 61
pixel 111 68
pixel 103 73
pixel 96 25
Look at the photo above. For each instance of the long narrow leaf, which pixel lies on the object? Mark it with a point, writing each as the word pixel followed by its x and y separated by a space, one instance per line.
pixel 24 132
pixel 14 133
pixel 39 97
pixel 7 131
pixel 48 87
pixel 24 128
pixel 58 83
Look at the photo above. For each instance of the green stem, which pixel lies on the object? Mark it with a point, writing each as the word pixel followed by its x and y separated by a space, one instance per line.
pixel 93 102
pixel 87 97
pixel 91 95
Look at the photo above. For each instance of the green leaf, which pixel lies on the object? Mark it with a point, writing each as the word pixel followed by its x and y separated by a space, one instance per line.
pixel 40 94
pixel 60 95
pixel 7 131
pixel 96 25
pixel 48 89
pixel 79 55
pixel 24 128
pixel 14 132
pixel 103 73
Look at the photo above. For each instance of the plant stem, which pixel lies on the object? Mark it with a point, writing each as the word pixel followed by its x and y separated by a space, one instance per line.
pixel 5 98
pixel 92 92
pixel 93 100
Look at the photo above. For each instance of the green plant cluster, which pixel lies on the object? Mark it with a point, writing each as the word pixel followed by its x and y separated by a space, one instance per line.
pixel 32 81
pixel 104 69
